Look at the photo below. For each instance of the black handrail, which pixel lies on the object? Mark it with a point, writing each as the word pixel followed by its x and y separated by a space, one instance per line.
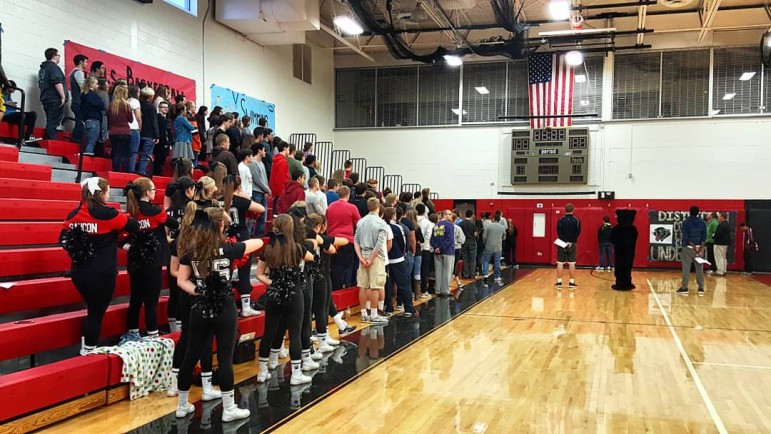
pixel 83 143
pixel 22 126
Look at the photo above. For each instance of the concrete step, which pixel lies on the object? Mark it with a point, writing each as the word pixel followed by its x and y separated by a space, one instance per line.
pixel 33 150
pixel 34 158
pixel 60 175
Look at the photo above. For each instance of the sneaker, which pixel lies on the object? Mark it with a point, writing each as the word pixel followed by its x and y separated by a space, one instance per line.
pixel 234 413
pixel 299 379
pixel 408 314
pixel 325 348
pixel 129 337
pixel 263 376
pixel 385 314
pixel 378 320
pixel 682 291
pixel 710 272
pixel 572 285
pixel 272 365
pixel 184 411
pixel 309 365
pixel 425 296
pixel 399 310
pixel 364 317
pixel 599 269
pixel 250 312
pixel 347 331
pixel 558 284
pixel 172 391
pixel 701 292
pixel 314 339
pixel 332 341
pixel 211 396
pixel 317 356
pixel 516 267
pixel 498 279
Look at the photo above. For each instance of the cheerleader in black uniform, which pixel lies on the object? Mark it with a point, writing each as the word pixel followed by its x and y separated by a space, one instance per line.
pixel 148 252
pixel 206 193
pixel 90 236
pixel 281 269
pixel 237 204
pixel 204 272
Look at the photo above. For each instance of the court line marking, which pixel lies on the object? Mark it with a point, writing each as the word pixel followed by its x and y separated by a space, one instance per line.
pixel 695 375
pixel 732 365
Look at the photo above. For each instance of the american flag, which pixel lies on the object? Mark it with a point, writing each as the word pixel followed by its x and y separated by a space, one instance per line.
pixel 551 90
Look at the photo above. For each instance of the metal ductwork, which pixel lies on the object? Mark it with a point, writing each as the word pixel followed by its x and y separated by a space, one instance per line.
pixel 270 22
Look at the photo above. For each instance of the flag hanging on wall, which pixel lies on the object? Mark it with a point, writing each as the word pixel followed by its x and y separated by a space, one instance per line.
pixel 551 90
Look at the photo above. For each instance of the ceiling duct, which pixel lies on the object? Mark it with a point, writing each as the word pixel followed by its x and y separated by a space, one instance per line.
pixel 270 22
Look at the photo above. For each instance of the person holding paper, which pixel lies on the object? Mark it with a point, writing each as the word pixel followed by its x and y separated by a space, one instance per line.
pixel 694 236
pixel 568 230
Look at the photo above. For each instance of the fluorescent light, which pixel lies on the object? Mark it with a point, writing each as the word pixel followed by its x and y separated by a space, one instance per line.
pixel 747 76
pixel 574 58
pixel 559 9
pixel 728 96
pixel 482 90
pixel 715 112
pixel 348 25
pixel 458 112
pixel 584 103
pixel 453 60
pixel 580 78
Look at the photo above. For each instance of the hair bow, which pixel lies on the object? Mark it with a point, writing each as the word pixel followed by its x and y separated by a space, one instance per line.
pixel 92 183
pixel 276 237
pixel 131 187
pixel 199 186
pixel 201 220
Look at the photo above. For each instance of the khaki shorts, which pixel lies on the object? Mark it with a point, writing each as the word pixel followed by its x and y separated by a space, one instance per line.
pixel 567 254
pixel 373 276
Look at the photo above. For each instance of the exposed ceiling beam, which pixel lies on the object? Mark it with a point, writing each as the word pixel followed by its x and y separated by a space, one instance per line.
pixel 710 11
pixel 642 14
pixel 346 42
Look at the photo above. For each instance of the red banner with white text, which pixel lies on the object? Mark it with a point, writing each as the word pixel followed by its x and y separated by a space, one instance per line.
pixel 132 71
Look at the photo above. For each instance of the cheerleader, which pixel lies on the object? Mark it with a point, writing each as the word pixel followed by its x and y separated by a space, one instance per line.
pixel 206 193
pixel 204 273
pixel 90 236
pixel 281 269
pixel 178 193
pixel 182 168
pixel 148 251
pixel 237 205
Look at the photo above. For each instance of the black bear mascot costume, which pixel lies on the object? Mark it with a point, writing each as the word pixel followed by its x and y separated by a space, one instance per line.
pixel 624 238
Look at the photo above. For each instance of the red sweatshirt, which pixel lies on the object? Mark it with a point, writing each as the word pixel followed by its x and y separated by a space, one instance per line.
pixel 279 175
pixel 293 192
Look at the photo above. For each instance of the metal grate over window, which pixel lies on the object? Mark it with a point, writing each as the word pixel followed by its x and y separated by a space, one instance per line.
pixel 587 93
pixel 736 81
pixel 636 85
pixel 518 101
pixel 438 95
pixel 396 97
pixel 685 83
pixel 355 98
pixel 484 92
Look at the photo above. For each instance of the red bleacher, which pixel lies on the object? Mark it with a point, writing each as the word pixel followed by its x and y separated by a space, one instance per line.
pixel 23 262
pixel 38 172
pixel 9 153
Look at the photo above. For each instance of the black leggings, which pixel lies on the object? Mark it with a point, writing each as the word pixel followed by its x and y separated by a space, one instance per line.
pixel 280 318
pixel 425 269
pixel 224 326
pixel 96 290
pixel 185 302
pixel 172 307
pixel 305 331
pixel 244 284
pixel 321 298
pixel 145 286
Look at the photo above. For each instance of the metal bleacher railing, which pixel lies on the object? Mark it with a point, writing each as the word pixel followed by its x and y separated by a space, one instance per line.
pixel 300 139
pixel 323 151
pixel 375 172
pixel 359 166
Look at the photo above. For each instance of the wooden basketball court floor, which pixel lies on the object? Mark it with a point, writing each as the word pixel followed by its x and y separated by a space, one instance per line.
pixel 533 358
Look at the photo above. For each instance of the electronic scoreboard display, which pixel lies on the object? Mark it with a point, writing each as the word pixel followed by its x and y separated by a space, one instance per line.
pixel 550 156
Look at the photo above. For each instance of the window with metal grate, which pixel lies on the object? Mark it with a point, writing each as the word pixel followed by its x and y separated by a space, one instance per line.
pixel 484 91
pixel 518 99
pixel 438 95
pixel 636 80
pixel 736 81
pixel 685 83
pixel 355 98
pixel 587 90
pixel 396 97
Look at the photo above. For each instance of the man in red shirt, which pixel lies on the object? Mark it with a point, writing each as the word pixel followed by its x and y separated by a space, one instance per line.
pixel 279 173
pixel 342 217
pixel 294 192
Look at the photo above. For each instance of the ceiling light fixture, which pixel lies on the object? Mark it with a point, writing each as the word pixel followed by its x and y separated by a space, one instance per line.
pixel 574 58
pixel 453 60
pixel 728 96
pixel 482 90
pixel 559 10
pixel 348 25
pixel 580 78
pixel 715 112
pixel 458 112
pixel 747 76
pixel 584 103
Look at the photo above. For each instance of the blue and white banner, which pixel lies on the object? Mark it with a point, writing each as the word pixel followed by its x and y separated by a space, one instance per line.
pixel 233 101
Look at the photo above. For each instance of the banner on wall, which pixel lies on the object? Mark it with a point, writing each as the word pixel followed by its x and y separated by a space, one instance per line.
pixel 245 105
pixel 665 234
pixel 132 71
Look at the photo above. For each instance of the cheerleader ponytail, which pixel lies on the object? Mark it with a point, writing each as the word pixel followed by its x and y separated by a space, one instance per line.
pixel 134 191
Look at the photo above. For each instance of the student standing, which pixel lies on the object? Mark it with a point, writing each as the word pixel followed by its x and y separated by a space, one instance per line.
pixel 136 127
pixel 606 247
pixel 469 248
pixel 694 233
pixel 722 240
pixel 568 230
pixel 50 81
pixel 493 236
pixel 149 133
pixel 119 116
pixel 371 245
pixel 183 135
pixel 91 108
pixel 750 246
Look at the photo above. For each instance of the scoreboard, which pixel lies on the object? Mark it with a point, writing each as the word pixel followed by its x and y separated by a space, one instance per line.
pixel 550 156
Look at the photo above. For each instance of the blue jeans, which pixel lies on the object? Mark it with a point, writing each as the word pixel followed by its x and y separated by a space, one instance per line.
pixel 145 151
pixel 54 114
pixel 606 255
pixel 93 128
pixel 496 263
pixel 133 150
pixel 417 263
pixel 120 149
pixel 260 198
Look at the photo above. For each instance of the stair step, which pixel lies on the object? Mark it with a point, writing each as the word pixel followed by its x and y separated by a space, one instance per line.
pixel 34 150
pixel 27 157
pixel 68 175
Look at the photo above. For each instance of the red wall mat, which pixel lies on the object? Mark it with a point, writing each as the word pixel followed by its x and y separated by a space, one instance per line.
pixel 8 153
pixel 27 189
pixel 19 262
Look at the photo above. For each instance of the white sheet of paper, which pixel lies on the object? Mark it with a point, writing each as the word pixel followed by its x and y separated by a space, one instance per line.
pixel 702 261
pixel 560 243
pixel 7 285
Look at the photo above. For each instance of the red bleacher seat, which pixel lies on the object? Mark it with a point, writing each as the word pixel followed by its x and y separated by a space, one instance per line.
pixel 28 189
pixel 19 262
pixel 119 179
pixel 59 147
pixel 29 233
pixel 37 172
pixel 91 164
pixel 8 153
pixel 23 209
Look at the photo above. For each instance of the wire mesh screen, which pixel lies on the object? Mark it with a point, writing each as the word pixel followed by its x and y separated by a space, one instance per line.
pixel 587 89
pixel 323 151
pixel 685 83
pixel 376 173
pixel 301 139
pixel 338 159
pixel 396 97
pixel 736 82
pixel 359 166
pixel 438 95
pixel 412 188
pixel 394 182
pixel 484 92
pixel 355 98
pixel 636 85
pixel 518 99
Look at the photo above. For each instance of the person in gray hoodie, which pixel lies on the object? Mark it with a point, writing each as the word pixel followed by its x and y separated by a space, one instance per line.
pixel 50 80
pixel 493 240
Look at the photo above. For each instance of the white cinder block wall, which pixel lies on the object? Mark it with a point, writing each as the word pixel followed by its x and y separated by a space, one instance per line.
pixel 163 36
